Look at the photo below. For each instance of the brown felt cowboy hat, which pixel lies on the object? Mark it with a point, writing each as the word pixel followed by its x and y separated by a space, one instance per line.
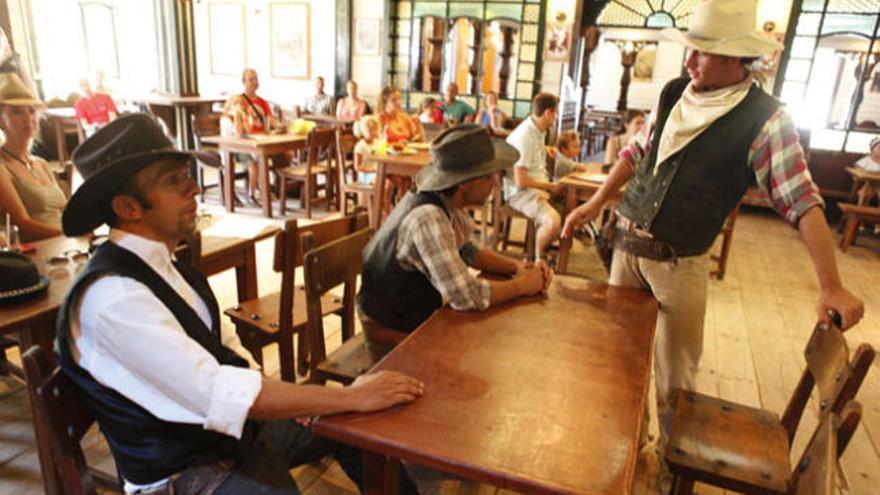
pixel 462 153
pixel 724 27
pixel 106 160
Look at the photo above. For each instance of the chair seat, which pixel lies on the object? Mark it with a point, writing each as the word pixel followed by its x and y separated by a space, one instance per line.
pixel 298 171
pixel 729 445
pixel 353 358
pixel 267 310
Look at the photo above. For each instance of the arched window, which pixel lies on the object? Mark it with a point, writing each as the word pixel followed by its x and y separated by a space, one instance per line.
pixel 652 14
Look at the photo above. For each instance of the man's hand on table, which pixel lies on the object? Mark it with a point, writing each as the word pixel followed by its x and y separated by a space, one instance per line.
pixel 377 391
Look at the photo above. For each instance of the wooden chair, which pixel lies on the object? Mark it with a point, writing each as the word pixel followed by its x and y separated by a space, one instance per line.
pixel 528 243
pixel 853 216
pixel 277 317
pixel 319 148
pixel 203 126
pixel 740 448
pixel 349 186
pixel 816 472
pixel 336 263
pixel 726 234
pixel 64 418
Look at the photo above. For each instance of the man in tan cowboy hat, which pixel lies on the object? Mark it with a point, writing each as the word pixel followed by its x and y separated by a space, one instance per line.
pixel 419 258
pixel 713 135
pixel 138 334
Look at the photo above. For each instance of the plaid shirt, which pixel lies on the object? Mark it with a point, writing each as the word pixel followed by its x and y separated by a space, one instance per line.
pixel 775 155
pixel 441 249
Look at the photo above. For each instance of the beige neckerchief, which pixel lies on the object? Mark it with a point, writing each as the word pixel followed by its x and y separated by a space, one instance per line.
pixel 694 113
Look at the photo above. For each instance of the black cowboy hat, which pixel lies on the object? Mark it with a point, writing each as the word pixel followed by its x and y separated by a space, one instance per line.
pixel 19 278
pixel 462 153
pixel 115 153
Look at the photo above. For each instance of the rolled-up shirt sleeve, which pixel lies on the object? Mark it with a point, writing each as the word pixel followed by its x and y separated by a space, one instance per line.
pixel 780 167
pixel 153 362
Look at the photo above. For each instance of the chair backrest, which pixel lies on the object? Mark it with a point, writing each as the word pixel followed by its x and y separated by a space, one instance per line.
pixel 319 139
pixel 345 142
pixel 816 473
pixel 289 253
pixel 64 418
pixel 830 370
pixel 327 266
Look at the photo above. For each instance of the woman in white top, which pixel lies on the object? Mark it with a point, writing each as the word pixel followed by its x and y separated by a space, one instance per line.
pixel 632 124
pixel 29 192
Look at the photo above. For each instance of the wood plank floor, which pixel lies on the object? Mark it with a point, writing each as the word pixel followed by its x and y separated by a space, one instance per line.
pixel 757 322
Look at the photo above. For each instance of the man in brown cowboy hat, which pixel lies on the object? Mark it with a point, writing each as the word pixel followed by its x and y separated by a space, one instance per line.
pixel 138 333
pixel 714 134
pixel 419 258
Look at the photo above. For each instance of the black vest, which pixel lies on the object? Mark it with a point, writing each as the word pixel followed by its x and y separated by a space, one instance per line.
pixel 146 448
pixel 686 202
pixel 394 297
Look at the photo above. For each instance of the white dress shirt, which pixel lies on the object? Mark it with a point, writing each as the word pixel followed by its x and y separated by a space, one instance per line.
pixel 132 343
pixel 529 141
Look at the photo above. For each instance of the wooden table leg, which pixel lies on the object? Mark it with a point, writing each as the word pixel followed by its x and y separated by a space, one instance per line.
pixel 378 196
pixel 246 275
pixel 265 192
pixel 565 242
pixel 381 474
pixel 60 141
pixel 228 179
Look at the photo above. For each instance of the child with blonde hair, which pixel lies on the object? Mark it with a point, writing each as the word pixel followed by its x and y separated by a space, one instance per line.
pixel 569 146
pixel 370 128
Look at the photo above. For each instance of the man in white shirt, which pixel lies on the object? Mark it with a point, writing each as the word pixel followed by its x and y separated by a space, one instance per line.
pixel 319 103
pixel 139 334
pixel 529 190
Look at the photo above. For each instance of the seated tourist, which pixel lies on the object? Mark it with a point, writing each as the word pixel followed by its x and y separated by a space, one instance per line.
pixel 430 111
pixel 568 146
pixel 137 334
pixel 351 107
pixel 870 163
pixel 249 114
pixel 419 258
pixel 29 192
pixel 456 111
pixel 632 124
pixel 370 130
pixel 319 103
pixel 94 109
pixel 491 116
pixel 397 125
pixel 529 190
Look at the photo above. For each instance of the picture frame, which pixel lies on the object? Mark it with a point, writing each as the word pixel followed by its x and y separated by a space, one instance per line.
pixel 367 36
pixel 290 40
pixel 558 41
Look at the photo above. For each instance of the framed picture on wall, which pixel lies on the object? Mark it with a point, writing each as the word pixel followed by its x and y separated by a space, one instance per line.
pixel 226 37
pixel 558 41
pixel 290 42
pixel 367 33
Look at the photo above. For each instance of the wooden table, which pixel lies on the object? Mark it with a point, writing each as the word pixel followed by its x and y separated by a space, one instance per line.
pixel 861 176
pixel 575 190
pixel 181 106
pixel 63 122
pixel 542 395
pixel 261 146
pixel 328 120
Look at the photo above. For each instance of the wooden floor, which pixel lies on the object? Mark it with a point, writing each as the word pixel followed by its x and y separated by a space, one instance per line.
pixel 757 322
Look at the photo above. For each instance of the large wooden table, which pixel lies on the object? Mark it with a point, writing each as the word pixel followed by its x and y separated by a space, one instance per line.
pixel 542 395
pixel 262 146
pixel 576 190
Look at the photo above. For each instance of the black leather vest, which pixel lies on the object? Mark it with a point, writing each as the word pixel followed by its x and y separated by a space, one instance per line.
pixel 146 448
pixel 394 297
pixel 686 202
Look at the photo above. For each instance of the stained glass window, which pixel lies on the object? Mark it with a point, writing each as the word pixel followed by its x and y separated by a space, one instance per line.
pixel 653 14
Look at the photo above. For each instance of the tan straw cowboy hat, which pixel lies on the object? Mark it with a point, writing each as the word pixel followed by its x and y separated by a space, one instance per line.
pixel 724 27
pixel 14 92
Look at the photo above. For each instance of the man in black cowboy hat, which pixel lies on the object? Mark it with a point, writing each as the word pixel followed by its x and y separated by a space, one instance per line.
pixel 138 334
pixel 419 258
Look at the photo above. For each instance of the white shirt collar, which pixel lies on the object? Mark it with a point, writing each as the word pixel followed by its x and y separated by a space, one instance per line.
pixel 153 253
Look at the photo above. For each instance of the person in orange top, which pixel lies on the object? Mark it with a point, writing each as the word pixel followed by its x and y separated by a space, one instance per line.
pixel 396 124
pixel 250 114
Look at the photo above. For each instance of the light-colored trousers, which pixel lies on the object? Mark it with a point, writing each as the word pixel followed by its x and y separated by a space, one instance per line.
pixel 680 288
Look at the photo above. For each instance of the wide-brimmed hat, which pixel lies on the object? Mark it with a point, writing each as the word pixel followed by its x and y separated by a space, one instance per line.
pixel 14 92
pixel 106 160
pixel 724 27
pixel 19 278
pixel 463 153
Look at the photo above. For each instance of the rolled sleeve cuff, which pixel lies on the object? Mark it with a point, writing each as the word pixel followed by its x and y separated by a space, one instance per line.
pixel 797 210
pixel 235 390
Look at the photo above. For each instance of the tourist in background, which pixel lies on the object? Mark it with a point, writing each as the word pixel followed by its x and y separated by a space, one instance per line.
pixel 491 116
pixel 94 109
pixel 632 124
pixel 351 107
pixel 456 111
pixel 319 103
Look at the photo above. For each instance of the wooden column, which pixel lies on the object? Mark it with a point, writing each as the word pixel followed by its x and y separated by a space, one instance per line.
pixel 627 59
pixel 343 45
pixel 435 65
pixel 506 53
pixel 590 36
pixel 184 33
pixel 475 55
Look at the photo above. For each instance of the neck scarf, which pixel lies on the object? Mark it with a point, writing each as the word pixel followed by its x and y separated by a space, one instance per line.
pixel 694 113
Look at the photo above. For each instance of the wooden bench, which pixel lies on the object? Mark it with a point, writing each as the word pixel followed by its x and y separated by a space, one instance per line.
pixel 853 216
